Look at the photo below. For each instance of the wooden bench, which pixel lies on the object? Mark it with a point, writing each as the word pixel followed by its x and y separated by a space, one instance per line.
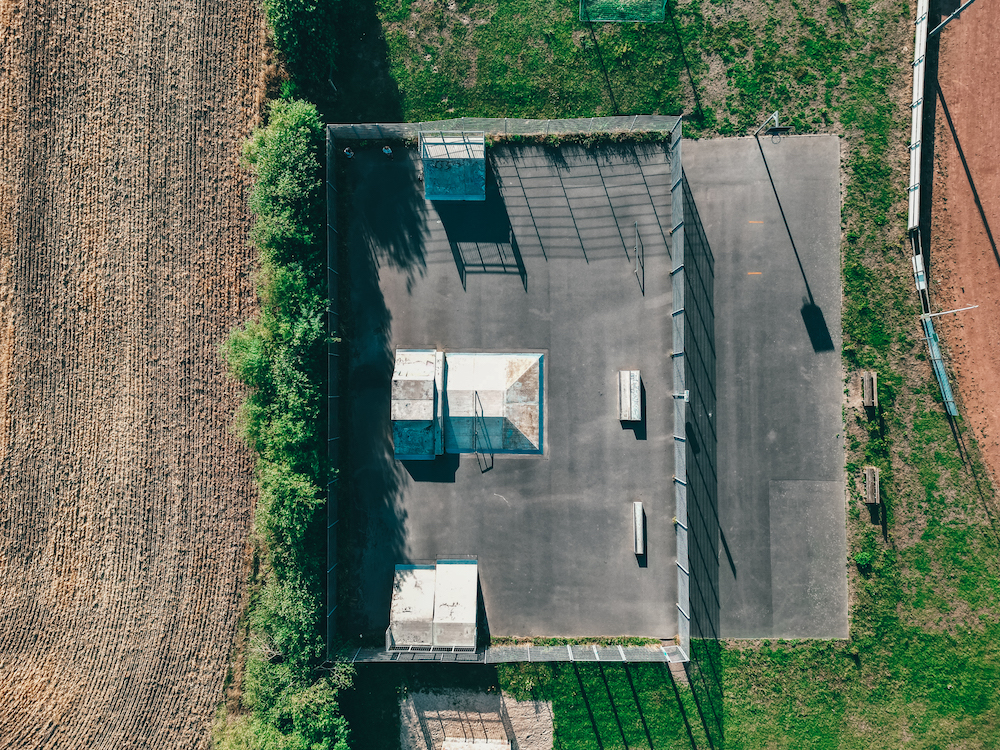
pixel 629 396
pixel 869 389
pixel 872 492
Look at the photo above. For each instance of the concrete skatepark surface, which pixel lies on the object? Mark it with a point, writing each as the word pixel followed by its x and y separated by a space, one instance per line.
pixel 781 494
pixel 547 265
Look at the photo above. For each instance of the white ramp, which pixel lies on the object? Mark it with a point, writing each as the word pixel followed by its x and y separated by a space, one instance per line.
pixel 415 409
pixel 456 591
pixel 412 614
pixel 494 403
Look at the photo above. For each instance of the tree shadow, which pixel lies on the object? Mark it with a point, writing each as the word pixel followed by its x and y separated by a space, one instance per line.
pixel 361 87
pixel 385 206
pixel 372 481
pixel 372 703
pixel 377 218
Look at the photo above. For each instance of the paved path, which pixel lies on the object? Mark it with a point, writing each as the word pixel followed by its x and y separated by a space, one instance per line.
pixel 783 551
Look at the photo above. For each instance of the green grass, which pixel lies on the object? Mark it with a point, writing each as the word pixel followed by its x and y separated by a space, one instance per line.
pixel 609 706
pixel 598 641
pixel 622 10
pixel 897 687
pixel 528 58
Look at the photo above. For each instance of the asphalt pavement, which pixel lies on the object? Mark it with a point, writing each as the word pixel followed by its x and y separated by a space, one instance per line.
pixel 771 214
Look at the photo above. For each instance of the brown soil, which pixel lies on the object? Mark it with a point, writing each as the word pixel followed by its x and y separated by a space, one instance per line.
pixel 964 261
pixel 125 499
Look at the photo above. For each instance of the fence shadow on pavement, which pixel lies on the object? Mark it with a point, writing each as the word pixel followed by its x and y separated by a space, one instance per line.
pixel 480 235
pixel 704 670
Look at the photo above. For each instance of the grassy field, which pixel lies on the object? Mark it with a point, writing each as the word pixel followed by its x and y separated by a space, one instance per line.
pixel 921 666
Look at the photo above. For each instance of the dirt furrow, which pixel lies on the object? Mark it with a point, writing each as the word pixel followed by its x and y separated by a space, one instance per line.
pixel 125 499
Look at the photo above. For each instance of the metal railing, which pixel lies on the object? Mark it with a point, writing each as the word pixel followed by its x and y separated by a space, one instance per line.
pixel 497 126
pixel 333 391
pixel 913 213
pixel 483 457
pixel 663 653
pixel 680 403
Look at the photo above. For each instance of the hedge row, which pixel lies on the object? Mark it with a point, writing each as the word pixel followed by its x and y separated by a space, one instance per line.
pixel 291 702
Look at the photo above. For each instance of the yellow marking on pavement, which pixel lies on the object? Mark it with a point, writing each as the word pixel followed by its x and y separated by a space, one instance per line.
pixel 756 222
pixel 754 273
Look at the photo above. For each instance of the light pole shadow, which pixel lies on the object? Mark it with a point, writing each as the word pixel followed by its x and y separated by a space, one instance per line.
pixel 812 314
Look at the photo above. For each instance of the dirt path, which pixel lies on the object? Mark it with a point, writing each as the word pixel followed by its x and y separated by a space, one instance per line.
pixel 490 720
pixel 966 263
pixel 125 500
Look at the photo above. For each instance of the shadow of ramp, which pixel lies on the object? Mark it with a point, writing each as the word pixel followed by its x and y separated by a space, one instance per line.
pixel 819 333
pixel 638 427
pixel 480 235
pixel 441 469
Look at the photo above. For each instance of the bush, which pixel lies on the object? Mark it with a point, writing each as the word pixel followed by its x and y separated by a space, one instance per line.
pixel 287 198
pixel 280 357
pixel 864 559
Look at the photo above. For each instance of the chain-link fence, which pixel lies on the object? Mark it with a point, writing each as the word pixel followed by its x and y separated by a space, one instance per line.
pixel 670 127
pixel 526 653
pixel 507 126
pixel 333 390
pixel 648 11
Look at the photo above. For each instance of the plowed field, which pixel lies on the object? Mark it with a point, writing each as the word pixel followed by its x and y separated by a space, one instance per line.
pixel 125 499
pixel 966 225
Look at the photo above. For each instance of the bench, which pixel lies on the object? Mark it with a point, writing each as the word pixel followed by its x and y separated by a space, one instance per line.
pixel 872 493
pixel 639 528
pixel 629 396
pixel 869 389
